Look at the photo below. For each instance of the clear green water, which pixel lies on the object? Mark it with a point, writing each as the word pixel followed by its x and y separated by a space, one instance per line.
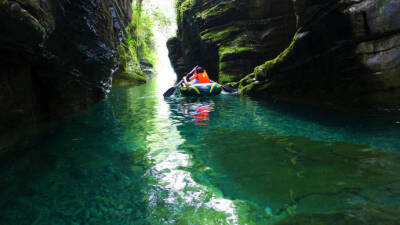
pixel 139 159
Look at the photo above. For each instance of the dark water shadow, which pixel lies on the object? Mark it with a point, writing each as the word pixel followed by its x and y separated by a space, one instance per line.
pixel 88 171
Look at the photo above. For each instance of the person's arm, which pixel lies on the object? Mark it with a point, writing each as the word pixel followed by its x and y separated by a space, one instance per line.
pixel 186 82
pixel 194 76
pixel 192 73
pixel 191 77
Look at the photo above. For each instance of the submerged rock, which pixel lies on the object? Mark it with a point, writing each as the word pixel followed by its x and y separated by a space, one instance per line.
pixel 329 183
pixel 366 214
pixel 57 57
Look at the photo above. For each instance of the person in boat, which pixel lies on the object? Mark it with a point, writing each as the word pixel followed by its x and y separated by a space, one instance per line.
pixel 199 76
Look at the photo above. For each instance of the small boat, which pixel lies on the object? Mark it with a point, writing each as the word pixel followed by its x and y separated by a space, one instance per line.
pixel 199 90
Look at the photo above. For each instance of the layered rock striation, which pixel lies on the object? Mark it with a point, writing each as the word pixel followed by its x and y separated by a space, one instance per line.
pixel 341 52
pixel 344 53
pixel 229 38
pixel 57 57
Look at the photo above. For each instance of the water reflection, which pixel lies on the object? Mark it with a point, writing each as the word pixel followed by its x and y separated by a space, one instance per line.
pixel 272 163
pixel 87 171
pixel 139 159
pixel 376 129
pixel 199 109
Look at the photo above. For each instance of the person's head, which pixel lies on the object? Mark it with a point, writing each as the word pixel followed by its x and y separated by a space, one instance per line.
pixel 199 69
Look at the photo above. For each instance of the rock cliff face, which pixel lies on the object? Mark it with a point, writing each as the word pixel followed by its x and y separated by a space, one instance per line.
pixel 229 38
pixel 57 57
pixel 342 52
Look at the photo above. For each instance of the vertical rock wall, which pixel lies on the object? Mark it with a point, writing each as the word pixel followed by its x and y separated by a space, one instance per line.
pixel 57 57
pixel 344 53
pixel 229 38
pixel 330 52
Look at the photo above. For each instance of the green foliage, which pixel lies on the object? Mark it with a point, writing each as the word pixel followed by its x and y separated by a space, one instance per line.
pixel 182 6
pixel 138 43
pixel 219 9
pixel 161 19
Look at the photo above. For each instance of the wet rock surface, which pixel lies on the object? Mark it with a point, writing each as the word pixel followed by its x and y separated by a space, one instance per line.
pixel 331 52
pixel 230 38
pixel 57 57
pixel 344 53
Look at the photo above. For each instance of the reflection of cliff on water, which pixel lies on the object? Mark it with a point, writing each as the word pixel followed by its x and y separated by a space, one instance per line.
pixel 375 129
pixel 88 171
pixel 271 162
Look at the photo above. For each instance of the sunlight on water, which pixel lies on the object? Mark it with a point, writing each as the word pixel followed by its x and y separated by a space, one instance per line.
pixel 137 158
pixel 164 144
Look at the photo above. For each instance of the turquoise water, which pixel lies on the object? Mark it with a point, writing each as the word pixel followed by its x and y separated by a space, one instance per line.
pixel 137 158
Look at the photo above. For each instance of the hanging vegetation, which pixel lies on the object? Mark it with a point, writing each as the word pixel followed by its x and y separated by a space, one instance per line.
pixel 137 51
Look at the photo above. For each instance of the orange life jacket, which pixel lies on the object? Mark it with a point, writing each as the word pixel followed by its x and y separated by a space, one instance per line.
pixel 202 77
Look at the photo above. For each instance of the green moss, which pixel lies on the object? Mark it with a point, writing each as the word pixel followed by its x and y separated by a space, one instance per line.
pixel 226 77
pixel 140 77
pixel 3 3
pixel 128 78
pixel 138 45
pixel 34 10
pixel 265 70
pixel 229 57
pixel 218 9
pixel 234 50
pixel 182 6
pixel 222 35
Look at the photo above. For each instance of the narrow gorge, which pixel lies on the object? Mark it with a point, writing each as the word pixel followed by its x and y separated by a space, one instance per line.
pixel 294 121
pixel 335 53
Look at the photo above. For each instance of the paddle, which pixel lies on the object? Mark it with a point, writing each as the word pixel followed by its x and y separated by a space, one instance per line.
pixel 226 88
pixel 171 91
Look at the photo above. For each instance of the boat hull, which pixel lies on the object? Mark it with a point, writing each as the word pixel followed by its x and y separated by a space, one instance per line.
pixel 199 90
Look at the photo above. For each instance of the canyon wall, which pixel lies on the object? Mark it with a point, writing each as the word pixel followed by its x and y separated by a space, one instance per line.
pixel 230 38
pixel 57 57
pixel 328 52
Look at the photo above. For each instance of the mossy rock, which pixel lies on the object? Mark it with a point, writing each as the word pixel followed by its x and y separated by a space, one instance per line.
pixel 222 34
pixel 255 82
pixel 23 19
pixel 218 9
pixel 123 79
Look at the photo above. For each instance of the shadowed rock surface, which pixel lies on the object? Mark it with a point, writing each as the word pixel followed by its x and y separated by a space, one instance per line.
pixel 342 53
pixel 57 57
pixel 230 38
